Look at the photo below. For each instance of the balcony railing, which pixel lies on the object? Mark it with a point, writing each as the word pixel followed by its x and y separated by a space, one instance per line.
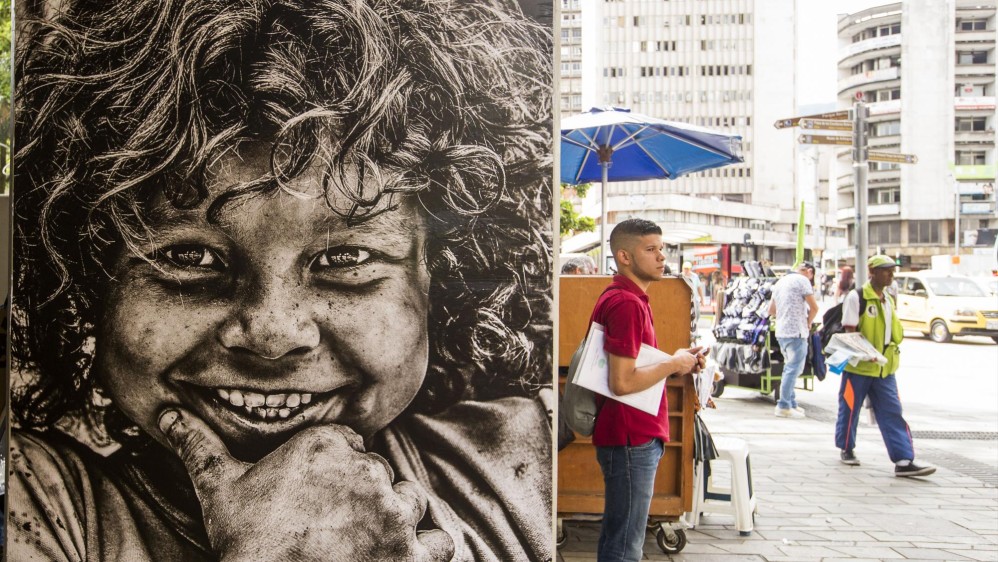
pixel 869 45
pixel 883 210
pixel 980 172
pixel 869 77
pixel 974 103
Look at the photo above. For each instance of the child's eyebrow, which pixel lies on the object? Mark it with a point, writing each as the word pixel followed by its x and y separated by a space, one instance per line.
pixel 391 227
pixel 174 219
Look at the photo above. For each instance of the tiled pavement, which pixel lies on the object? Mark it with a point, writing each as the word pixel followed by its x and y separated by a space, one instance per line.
pixel 812 508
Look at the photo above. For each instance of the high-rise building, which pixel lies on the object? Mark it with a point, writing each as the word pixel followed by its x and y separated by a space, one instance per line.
pixel 927 70
pixel 723 64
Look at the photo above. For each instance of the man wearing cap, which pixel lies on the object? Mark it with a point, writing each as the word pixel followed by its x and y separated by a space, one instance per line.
pixel 794 308
pixel 877 320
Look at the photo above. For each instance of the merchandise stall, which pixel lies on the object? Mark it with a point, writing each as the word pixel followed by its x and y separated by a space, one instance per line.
pixel 746 349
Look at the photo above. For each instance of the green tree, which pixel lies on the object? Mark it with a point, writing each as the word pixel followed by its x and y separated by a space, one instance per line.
pixel 571 221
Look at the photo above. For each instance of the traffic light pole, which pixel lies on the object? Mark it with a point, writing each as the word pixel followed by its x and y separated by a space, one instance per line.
pixel 860 168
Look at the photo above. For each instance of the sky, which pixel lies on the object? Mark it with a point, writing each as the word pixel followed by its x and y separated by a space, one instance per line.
pixel 818 44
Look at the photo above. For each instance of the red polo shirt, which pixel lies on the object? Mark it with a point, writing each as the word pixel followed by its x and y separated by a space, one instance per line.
pixel 624 312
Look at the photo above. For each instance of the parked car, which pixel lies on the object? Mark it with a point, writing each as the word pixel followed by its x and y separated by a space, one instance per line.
pixel 942 306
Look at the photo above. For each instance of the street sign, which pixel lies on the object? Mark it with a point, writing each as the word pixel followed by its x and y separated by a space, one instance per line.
pixel 792 122
pixel 825 139
pixel 891 157
pixel 826 124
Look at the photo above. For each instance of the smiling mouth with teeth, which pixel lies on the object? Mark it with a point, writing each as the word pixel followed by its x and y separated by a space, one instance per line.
pixel 263 406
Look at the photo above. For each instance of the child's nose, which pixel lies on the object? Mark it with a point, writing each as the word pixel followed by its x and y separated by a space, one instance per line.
pixel 272 322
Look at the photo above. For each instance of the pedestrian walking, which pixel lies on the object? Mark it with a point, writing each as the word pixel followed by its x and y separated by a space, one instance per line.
pixel 794 308
pixel 876 319
pixel 846 283
pixel 629 442
pixel 696 284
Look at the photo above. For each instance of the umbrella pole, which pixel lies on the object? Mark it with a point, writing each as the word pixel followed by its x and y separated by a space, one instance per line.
pixel 605 164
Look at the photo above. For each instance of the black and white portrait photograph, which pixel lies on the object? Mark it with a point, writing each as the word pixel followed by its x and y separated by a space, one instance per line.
pixel 282 281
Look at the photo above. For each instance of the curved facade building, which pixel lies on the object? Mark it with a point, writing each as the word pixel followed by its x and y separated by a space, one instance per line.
pixel 926 68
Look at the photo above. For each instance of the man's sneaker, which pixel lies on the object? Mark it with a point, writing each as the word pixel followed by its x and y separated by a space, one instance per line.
pixel 912 469
pixel 788 413
pixel 801 410
pixel 849 458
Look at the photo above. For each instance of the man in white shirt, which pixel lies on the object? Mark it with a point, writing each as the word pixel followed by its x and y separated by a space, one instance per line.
pixel 794 307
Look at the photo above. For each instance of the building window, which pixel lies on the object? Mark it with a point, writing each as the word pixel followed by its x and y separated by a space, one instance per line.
pixel 971 123
pixel 971 157
pixel 887 128
pixel 887 95
pixel 972 25
pixel 883 166
pixel 887 196
pixel 972 57
pixel 923 232
pixel 885 233
pixel 888 30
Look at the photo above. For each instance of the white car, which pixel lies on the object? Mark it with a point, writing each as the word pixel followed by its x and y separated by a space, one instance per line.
pixel 942 306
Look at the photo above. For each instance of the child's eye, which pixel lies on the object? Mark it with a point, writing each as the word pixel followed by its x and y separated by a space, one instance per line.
pixel 340 257
pixel 189 256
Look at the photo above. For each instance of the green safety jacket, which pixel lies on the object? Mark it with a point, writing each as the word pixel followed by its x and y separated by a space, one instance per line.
pixel 872 326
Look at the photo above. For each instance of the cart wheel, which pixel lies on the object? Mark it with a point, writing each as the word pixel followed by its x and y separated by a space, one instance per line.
pixel 717 389
pixel 676 545
pixel 562 538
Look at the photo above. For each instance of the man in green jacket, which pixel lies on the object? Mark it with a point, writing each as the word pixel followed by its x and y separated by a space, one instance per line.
pixel 877 320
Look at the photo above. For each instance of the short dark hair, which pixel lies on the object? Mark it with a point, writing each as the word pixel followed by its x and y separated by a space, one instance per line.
pixel 631 228
pixel 807 265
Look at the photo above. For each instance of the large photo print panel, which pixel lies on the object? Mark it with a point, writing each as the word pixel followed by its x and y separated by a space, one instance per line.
pixel 282 281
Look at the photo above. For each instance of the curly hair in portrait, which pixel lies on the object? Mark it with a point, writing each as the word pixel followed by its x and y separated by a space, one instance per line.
pixel 125 103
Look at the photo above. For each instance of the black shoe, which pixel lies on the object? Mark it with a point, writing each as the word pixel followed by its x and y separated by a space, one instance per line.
pixel 847 457
pixel 913 469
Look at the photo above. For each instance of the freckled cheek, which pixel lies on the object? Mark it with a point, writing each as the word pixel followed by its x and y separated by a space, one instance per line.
pixel 386 327
pixel 147 335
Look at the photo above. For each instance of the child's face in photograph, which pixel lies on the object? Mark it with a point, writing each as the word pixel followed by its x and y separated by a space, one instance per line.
pixel 276 318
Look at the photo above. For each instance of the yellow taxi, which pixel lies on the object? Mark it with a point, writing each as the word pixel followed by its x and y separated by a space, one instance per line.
pixel 942 306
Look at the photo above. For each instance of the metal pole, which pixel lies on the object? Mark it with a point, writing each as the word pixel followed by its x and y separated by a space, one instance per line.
pixel 860 169
pixel 603 234
pixel 956 225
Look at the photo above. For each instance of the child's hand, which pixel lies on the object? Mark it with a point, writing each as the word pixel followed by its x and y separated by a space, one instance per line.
pixel 318 496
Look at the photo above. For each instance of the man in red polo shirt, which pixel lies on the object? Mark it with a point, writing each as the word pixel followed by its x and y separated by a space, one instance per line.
pixel 629 442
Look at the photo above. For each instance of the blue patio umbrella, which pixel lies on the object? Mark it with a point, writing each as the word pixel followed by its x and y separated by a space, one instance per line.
pixel 614 144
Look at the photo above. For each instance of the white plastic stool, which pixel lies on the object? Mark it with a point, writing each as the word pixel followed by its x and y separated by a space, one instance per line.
pixel 738 500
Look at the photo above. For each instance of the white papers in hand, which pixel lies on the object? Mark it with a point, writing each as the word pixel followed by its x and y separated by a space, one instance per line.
pixel 854 348
pixel 594 372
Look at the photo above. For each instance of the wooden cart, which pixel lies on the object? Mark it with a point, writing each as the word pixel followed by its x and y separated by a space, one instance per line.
pixel 580 481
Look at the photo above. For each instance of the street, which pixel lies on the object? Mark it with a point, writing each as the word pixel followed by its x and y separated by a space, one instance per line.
pixel 950 387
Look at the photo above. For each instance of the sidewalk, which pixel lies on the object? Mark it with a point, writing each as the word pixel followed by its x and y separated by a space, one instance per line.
pixel 812 508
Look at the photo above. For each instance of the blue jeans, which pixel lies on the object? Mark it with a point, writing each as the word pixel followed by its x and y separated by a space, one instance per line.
pixel 883 393
pixel 794 353
pixel 629 478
